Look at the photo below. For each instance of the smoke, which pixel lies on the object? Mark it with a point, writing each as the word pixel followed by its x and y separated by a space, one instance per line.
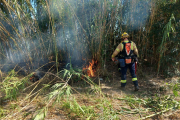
pixel 70 45
pixel 70 38
pixel 35 46
pixel 136 13
pixel 70 33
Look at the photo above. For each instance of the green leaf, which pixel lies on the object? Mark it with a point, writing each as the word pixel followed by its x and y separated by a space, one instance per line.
pixel 42 114
pixel 175 92
pixel 126 109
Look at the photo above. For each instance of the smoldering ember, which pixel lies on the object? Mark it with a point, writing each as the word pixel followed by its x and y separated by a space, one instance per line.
pixel 89 59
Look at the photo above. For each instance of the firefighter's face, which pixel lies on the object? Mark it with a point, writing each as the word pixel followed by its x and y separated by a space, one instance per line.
pixel 124 38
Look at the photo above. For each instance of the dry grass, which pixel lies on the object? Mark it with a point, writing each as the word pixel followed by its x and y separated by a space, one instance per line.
pixel 104 101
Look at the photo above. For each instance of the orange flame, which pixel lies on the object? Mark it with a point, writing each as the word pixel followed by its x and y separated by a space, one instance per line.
pixel 90 69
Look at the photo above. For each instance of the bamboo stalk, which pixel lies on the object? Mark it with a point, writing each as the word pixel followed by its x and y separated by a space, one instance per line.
pixel 152 115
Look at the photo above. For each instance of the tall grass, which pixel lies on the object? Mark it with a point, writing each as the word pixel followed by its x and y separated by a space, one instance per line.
pixel 34 30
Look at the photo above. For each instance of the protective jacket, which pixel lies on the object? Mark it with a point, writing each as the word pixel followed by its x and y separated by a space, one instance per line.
pixel 121 49
pixel 125 51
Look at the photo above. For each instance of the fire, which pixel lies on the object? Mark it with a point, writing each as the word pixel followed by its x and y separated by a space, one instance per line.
pixel 91 68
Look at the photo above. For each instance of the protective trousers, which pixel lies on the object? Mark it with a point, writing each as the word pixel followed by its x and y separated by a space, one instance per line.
pixel 131 67
pixel 119 68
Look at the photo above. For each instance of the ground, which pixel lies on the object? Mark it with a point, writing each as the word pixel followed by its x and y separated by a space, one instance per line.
pixel 109 82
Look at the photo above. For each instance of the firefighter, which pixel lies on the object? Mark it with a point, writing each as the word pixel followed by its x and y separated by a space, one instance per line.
pixel 127 55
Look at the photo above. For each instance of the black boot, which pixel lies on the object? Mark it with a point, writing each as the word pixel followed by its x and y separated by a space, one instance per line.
pixel 136 85
pixel 123 86
pixel 136 88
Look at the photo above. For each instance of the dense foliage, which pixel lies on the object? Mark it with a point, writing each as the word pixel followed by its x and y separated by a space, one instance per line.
pixel 76 29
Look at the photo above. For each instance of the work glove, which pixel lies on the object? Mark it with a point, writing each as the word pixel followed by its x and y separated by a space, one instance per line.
pixel 113 59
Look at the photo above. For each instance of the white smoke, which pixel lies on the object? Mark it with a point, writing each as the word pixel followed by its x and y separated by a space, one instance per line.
pixel 136 13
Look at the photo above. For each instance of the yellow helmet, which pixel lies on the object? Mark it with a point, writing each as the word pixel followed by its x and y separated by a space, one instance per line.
pixel 124 35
